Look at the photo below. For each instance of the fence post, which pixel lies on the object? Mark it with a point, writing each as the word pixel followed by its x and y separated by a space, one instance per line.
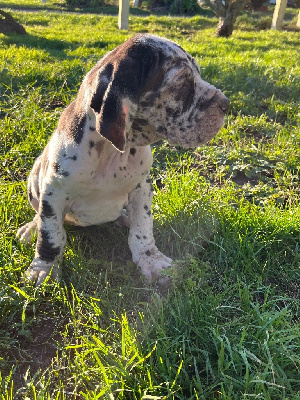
pixel 278 14
pixel 123 14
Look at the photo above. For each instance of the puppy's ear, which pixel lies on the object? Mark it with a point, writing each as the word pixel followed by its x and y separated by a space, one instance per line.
pixel 106 103
pixel 120 84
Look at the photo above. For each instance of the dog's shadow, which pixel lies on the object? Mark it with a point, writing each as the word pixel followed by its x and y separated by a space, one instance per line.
pixel 98 253
pixel 101 253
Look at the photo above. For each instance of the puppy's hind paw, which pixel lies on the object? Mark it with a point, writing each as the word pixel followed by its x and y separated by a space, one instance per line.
pixel 39 271
pixel 26 233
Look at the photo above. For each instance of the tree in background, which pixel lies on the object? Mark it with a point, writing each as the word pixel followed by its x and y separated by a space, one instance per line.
pixel 227 11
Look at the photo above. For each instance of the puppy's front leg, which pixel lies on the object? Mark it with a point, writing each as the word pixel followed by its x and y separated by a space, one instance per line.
pixel 141 241
pixel 51 237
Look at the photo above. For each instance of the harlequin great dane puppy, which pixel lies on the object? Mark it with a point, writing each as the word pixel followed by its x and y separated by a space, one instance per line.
pixel 98 160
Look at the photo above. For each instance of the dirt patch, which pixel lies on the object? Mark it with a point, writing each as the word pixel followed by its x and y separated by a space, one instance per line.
pixel 241 179
pixel 34 354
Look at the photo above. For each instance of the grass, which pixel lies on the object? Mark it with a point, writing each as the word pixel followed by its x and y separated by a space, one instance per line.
pixel 228 213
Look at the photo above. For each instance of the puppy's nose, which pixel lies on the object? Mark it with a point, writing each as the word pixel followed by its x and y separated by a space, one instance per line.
pixel 224 104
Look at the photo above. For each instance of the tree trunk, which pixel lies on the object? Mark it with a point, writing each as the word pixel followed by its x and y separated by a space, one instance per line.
pixel 227 20
pixel 225 25
pixel 9 25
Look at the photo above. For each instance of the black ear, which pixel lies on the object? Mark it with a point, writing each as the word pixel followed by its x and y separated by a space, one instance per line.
pixel 102 81
pixel 106 103
pixel 128 74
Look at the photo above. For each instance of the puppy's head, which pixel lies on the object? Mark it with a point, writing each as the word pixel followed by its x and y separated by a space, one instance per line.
pixel 149 88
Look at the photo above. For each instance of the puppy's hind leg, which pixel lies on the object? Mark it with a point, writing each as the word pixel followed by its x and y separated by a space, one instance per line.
pixel 26 233
pixel 123 220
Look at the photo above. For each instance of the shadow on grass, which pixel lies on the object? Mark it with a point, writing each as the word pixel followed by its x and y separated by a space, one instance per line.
pixel 104 10
pixel 54 47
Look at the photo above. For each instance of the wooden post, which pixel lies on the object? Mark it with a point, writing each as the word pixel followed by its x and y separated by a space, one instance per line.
pixel 298 21
pixel 278 14
pixel 123 14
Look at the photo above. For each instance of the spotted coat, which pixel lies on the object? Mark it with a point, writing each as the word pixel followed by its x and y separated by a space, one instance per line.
pixel 97 162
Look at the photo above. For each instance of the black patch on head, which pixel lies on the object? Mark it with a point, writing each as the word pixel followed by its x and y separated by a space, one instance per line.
pixel 132 151
pixel 148 253
pixel 47 210
pixel 136 71
pixel 45 249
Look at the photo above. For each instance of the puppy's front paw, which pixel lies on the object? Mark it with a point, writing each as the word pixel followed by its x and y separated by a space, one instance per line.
pixel 26 232
pixel 39 270
pixel 152 263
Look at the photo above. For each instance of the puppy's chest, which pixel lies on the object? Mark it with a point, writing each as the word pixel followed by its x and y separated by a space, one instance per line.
pixel 100 179
pixel 107 170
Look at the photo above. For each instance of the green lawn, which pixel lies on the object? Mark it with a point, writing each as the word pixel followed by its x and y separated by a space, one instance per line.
pixel 228 213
